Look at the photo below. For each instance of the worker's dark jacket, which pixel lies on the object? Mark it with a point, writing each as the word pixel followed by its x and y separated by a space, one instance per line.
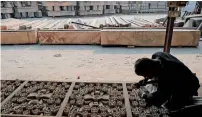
pixel 175 79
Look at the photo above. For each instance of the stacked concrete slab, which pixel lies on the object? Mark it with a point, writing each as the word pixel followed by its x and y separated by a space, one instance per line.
pixel 110 7
pixel 12 34
pixel 81 8
pixel 128 6
pixel 143 6
pixel 153 7
pixel 54 9
pixel 26 9
pixel 6 9
pixel 91 7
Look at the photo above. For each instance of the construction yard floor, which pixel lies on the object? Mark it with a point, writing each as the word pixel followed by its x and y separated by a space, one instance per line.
pixel 84 62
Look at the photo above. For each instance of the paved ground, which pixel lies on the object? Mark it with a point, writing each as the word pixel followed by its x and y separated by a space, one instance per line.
pixel 91 63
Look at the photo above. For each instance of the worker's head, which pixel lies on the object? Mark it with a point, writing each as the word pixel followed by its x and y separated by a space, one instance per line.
pixel 147 68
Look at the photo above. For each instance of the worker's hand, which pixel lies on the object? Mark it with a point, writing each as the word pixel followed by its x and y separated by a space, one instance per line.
pixel 147 99
pixel 144 95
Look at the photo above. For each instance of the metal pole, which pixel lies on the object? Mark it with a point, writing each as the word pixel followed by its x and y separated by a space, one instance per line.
pixel 169 32
pixel 85 25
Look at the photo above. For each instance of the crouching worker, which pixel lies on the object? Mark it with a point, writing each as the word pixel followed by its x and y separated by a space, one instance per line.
pixel 176 83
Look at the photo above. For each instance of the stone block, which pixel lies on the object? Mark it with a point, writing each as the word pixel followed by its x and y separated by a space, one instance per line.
pixel 149 37
pixel 69 37
pixel 18 37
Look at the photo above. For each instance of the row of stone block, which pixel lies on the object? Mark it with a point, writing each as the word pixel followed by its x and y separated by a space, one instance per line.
pixel 127 37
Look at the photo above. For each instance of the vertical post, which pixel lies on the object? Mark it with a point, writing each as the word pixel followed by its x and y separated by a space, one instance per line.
pixel 172 14
pixel 169 32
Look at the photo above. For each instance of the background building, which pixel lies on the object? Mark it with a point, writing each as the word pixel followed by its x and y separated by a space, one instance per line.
pixel 20 9
pixel 30 9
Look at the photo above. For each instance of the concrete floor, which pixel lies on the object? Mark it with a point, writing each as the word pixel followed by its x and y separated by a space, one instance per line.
pixel 91 63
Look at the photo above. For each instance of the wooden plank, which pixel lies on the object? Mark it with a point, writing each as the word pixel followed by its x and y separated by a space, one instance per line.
pixel 138 22
pixel 149 37
pixel 102 23
pixel 127 103
pixel 113 21
pixel 74 26
pixel 18 37
pixel 108 21
pixel 141 21
pixel 88 23
pixel 12 94
pixel 34 26
pixel 51 25
pixel 59 24
pixel 64 103
pixel 135 23
pixel 148 21
pixel 25 24
pixel 67 22
pixel 120 21
pixel 69 37
pixel 44 24
pixel 128 23
pixel 94 23
pixel 13 23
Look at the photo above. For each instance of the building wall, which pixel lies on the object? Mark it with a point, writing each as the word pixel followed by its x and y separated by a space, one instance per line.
pixel 19 9
pixel 27 9
pixel 90 7
pixel 96 7
pixel 6 9
pixel 143 6
pixel 154 6
pixel 59 8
